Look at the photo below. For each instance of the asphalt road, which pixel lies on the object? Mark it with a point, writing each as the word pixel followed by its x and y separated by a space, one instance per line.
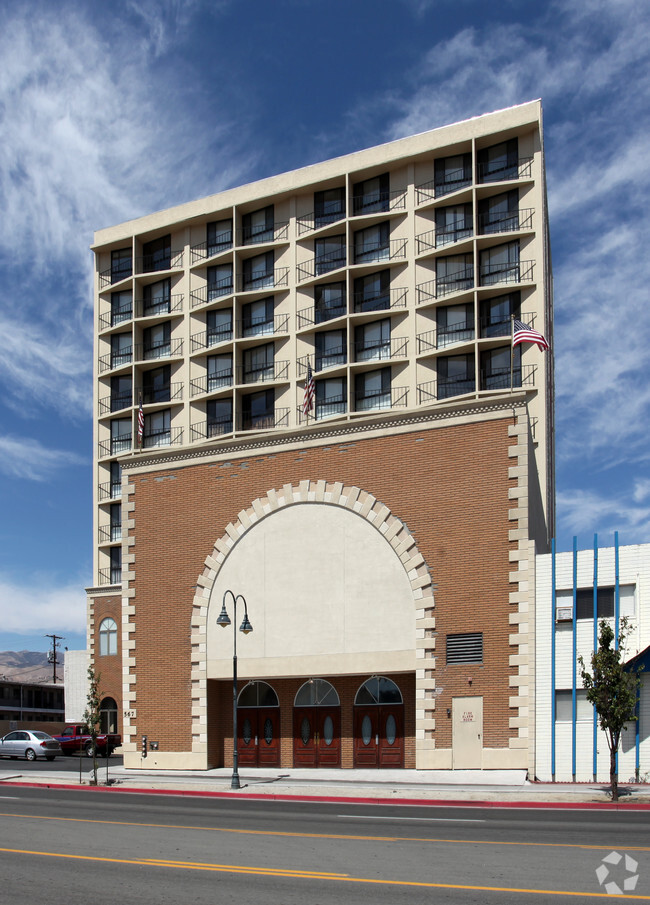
pixel 105 846
pixel 68 764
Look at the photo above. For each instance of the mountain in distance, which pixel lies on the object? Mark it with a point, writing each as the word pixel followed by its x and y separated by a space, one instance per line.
pixel 29 666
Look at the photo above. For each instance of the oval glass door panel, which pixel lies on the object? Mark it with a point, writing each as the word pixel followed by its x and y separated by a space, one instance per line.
pixel 268 730
pixel 247 731
pixel 305 730
pixel 366 730
pixel 328 730
pixel 391 729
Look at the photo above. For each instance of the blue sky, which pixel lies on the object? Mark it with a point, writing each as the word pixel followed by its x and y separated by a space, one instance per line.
pixel 113 110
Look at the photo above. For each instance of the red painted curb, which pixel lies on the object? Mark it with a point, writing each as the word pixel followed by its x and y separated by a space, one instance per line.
pixel 342 799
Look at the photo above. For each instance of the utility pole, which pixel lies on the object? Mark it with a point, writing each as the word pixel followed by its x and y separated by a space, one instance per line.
pixel 54 638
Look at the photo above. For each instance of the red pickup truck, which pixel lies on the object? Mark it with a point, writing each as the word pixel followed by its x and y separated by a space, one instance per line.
pixel 76 738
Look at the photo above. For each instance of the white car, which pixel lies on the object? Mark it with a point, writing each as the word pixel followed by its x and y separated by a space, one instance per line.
pixel 29 743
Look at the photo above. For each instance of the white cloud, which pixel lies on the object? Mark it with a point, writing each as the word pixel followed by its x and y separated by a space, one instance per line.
pixel 34 608
pixel 22 457
pixel 587 511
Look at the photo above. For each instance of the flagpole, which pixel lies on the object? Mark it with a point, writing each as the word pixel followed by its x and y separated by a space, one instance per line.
pixel 512 349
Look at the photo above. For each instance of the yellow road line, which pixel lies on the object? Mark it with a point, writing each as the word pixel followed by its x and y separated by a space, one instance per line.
pixel 285 833
pixel 313 875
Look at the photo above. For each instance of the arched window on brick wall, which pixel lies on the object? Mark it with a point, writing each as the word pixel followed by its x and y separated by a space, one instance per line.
pixel 107 637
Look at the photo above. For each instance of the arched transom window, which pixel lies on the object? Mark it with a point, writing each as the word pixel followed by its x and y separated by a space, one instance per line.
pixel 378 690
pixel 108 637
pixel 258 694
pixel 317 693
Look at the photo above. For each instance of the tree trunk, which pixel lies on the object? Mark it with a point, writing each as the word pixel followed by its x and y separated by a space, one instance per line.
pixel 613 772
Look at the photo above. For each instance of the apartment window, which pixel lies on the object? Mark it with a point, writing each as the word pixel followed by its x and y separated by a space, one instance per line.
pixel 465 648
pixel 372 292
pixel 329 254
pixel 157 341
pixel 218 326
pixel 219 417
pixel 331 397
pixel 329 301
pixel 454 273
pixel 329 206
pixel 371 195
pixel 156 298
pixel 259 363
pixel 121 349
pixel 121 264
pixel 330 349
pixel 499 214
pixel 156 385
pixel 257 317
pixel 121 307
pixel 372 390
pixel 452 173
pixel 107 638
pixel 116 521
pixel 564 706
pixel 372 341
pixel 219 281
pixel 455 324
pixel 157 429
pixel 499 162
pixel 258 410
pixel 121 392
pixel 258 226
pixel 258 272
pixel 115 558
pixel 500 264
pixel 120 435
pixel 219 371
pixel 455 375
pixel 219 236
pixel 372 243
pixel 157 254
pixel 496 365
pixel 453 223
pixel 497 313
pixel 116 480
pixel 605 601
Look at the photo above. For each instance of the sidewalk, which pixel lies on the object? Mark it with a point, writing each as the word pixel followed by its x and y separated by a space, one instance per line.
pixel 508 788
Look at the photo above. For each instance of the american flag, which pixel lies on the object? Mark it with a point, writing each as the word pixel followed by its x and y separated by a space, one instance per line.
pixel 522 333
pixel 310 392
pixel 140 423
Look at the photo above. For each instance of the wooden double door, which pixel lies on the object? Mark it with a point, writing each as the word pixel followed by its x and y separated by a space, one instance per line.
pixel 379 735
pixel 258 736
pixel 317 737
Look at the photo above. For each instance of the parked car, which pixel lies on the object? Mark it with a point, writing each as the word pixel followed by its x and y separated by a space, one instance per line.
pixel 29 743
pixel 76 737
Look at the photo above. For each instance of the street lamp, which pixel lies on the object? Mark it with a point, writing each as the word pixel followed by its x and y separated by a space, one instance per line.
pixel 246 628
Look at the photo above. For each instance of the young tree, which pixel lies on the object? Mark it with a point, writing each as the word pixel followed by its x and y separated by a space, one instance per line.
pixel 612 690
pixel 92 716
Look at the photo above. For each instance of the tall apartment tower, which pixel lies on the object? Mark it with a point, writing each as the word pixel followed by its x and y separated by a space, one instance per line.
pixel 382 529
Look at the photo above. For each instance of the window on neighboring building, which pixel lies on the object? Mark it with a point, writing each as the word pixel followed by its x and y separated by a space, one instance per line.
pixel 121 349
pixel 219 417
pixel 372 390
pixel 330 349
pixel 156 298
pixel 372 292
pixel 156 385
pixel 115 555
pixel 500 213
pixel 258 410
pixel 371 195
pixel 116 521
pixel 372 243
pixel 605 601
pixel 455 375
pixel 329 206
pixel 258 226
pixel 258 272
pixel 500 264
pixel 372 341
pixel 121 306
pixel 564 706
pixel 329 301
pixel 157 341
pixel 116 479
pixel 455 324
pixel 219 236
pixel 157 429
pixel 453 223
pixel 219 281
pixel 257 317
pixel 121 264
pixel 498 366
pixel 156 255
pixel 120 435
pixel 465 648
pixel 499 162
pixel 219 371
pixel 121 392
pixel 259 363
pixel 329 254
pixel 331 397
pixel 218 326
pixel 454 273
pixel 452 173
pixel 496 314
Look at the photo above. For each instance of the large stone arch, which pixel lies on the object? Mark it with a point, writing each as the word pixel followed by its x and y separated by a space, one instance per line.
pixel 394 533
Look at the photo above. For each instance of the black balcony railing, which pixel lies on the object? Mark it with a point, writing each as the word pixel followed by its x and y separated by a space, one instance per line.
pixel 380 299
pixel 321 314
pixel 115 359
pixel 211 292
pixel 395 397
pixel 455 386
pixel 277 370
pixel 202 251
pixel 111 490
pixel 327 408
pixel 116 274
pixel 210 428
pixel 505 379
pixel 257 235
pixel 109 534
pixel 211 383
pixel 377 202
pixel 115 445
pixel 110 576
pixel 504 171
pixel 115 402
pixel 380 349
pixel 265 420
pixel 170 392
pixel 321 264
pixel 117 315
pixel 506 272
pixel 460 281
pixel 501 324
pixel 505 221
pixel 318 219
pixel 165 260
pixel 268 279
pixel 437 238
pixel 173 304
pixel 263 326
pixel 445 336
pixel 369 252
pixel 453 181
pixel 171 348
pixel 170 436
pixel 211 337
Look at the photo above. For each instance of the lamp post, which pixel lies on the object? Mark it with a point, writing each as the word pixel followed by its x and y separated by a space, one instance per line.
pixel 246 628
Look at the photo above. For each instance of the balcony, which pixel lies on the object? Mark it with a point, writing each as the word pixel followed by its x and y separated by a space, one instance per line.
pixel 506 272
pixel 211 383
pixel 444 388
pixel 165 260
pixel 116 359
pixel 263 326
pixel 171 392
pixel 171 348
pixel 369 252
pixel 170 436
pixel 379 300
pixel 205 250
pixel 396 397
pixel 115 402
pixel 258 235
pixel 268 279
pixel 442 337
pixel 116 274
pixel 309 316
pixel 438 238
pixel 116 316
pixel 109 533
pixel 321 361
pixel 454 181
pixel 378 202
pixel 277 370
pixel 505 221
pixel 504 171
pixel 459 281
pixel 206 339
pixel 319 219
pixel 266 421
pixel 111 490
pixel 173 304
pixel 505 379
pixel 380 349
pixel 500 324
pixel 321 264
pixel 115 445
pixel 210 428
pixel 110 576
pixel 211 292
pixel 332 407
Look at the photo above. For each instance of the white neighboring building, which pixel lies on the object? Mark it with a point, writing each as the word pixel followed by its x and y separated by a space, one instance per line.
pixel 75 679
pixel 567 745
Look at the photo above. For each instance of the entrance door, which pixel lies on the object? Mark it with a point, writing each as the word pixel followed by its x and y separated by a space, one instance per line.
pixel 379 736
pixel 467 733
pixel 317 737
pixel 258 736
